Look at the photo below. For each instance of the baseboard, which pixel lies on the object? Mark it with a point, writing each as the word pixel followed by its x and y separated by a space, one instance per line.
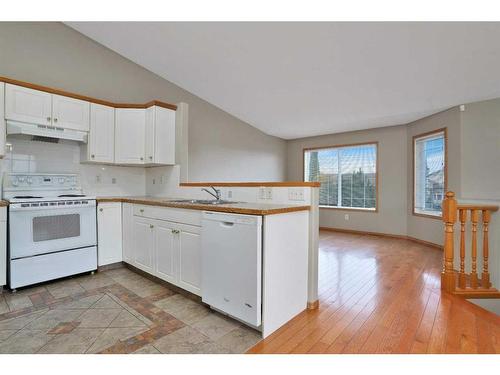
pixel 387 235
pixel 111 266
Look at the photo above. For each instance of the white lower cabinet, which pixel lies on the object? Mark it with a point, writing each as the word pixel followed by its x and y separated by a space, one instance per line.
pixel 168 250
pixel 165 252
pixel 3 246
pixel 143 244
pixel 109 233
pixel 189 277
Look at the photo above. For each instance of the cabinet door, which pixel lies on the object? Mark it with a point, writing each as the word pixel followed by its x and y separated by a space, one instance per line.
pixel 3 246
pixel 109 232
pixel 69 113
pixel 2 120
pixel 189 277
pixel 128 233
pixel 101 147
pixel 27 105
pixel 129 135
pixel 143 244
pixel 150 135
pixel 164 136
pixel 165 252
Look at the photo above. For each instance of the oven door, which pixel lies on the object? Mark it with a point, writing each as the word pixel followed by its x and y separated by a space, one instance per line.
pixel 39 231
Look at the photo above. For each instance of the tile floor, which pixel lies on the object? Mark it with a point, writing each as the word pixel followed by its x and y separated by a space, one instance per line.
pixel 115 311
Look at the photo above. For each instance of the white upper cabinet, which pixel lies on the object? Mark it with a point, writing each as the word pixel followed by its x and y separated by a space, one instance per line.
pixel 2 120
pixel 101 145
pixel 160 136
pixel 27 105
pixel 130 128
pixel 69 113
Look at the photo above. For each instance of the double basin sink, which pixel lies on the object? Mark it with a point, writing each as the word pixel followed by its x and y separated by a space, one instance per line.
pixel 201 201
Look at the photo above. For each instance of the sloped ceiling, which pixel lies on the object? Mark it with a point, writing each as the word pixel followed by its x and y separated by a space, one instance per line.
pixel 295 80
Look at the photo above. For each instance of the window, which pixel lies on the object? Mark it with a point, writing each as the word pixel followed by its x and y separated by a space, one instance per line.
pixel 429 162
pixel 348 175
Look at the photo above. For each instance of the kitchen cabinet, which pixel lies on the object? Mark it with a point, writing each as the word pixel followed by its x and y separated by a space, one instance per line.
pixel 39 107
pixel 160 136
pixel 101 141
pixel 2 120
pixel 3 246
pixel 165 251
pixel 189 250
pixel 143 244
pixel 130 129
pixel 28 105
pixel 109 233
pixel 169 250
pixel 69 113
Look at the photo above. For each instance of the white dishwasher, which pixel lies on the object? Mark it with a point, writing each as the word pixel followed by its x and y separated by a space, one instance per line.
pixel 232 265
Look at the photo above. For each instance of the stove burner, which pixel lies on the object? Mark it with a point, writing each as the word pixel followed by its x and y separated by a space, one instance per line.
pixel 25 197
pixel 71 195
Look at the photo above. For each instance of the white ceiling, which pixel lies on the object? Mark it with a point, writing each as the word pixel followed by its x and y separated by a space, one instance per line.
pixel 295 80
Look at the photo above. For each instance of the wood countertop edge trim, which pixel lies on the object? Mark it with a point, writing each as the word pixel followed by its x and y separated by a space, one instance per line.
pixel 252 184
pixel 234 210
pixel 86 98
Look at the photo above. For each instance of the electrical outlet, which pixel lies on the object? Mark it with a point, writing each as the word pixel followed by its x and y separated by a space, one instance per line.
pixel 154 181
pixel 296 194
pixel 346 217
pixel 113 180
pixel 265 193
pixel 98 179
pixel 229 194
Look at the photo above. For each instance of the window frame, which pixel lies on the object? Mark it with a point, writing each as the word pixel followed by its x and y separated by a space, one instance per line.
pixel 356 209
pixel 445 171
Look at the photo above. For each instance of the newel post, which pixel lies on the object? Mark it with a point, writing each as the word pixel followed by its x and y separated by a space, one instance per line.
pixel 448 282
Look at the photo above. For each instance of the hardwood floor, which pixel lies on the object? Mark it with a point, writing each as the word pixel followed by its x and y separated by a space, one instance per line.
pixel 382 295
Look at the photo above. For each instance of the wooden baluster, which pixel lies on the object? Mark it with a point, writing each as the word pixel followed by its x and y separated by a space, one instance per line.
pixel 474 216
pixel 448 279
pixel 485 276
pixel 461 274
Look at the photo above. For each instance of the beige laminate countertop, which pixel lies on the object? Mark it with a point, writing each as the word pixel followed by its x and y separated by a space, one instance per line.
pixel 235 208
pixel 3 203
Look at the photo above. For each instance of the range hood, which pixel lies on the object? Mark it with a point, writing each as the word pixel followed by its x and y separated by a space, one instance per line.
pixel 44 132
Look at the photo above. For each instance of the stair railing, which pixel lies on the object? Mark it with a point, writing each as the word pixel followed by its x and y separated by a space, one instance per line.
pixel 461 282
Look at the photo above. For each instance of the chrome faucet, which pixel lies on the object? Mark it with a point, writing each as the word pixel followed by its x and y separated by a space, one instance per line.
pixel 216 193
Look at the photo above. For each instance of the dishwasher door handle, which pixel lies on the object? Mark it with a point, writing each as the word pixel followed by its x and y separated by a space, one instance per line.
pixel 226 224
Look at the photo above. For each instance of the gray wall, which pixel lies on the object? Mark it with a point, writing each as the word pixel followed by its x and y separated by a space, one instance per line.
pixel 395 173
pixel 481 150
pixel 221 147
pixel 392 150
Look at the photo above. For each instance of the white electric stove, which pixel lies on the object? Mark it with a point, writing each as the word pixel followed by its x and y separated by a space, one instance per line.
pixel 52 227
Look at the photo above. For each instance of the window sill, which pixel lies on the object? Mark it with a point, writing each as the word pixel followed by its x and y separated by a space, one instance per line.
pixel 427 215
pixel 371 210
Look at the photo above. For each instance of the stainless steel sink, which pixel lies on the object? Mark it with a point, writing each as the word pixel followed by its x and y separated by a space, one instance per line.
pixel 202 201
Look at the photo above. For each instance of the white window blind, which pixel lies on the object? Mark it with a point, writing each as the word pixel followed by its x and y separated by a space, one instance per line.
pixel 348 175
pixel 429 173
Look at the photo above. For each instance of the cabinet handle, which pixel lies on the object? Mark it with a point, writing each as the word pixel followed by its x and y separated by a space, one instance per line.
pixel 141 210
pixel 100 209
pixel 175 231
pixel 151 158
pixel 142 158
pixel 151 226
pixel 92 156
pixel 48 119
pixel 55 120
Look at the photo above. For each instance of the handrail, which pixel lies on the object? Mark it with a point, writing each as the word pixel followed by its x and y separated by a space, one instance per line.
pixel 459 282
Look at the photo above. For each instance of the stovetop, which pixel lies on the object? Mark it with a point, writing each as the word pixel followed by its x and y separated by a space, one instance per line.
pixel 42 187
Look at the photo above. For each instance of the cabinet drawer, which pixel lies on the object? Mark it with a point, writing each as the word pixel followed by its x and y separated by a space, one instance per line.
pixel 177 215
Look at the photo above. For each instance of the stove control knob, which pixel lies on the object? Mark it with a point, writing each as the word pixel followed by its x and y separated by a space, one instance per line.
pixel 14 181
pixel 29 180
pixel 21 179
pixel 61 180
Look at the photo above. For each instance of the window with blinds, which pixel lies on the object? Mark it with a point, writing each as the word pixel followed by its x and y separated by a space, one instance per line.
pixel 348 175
pixel 429 172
